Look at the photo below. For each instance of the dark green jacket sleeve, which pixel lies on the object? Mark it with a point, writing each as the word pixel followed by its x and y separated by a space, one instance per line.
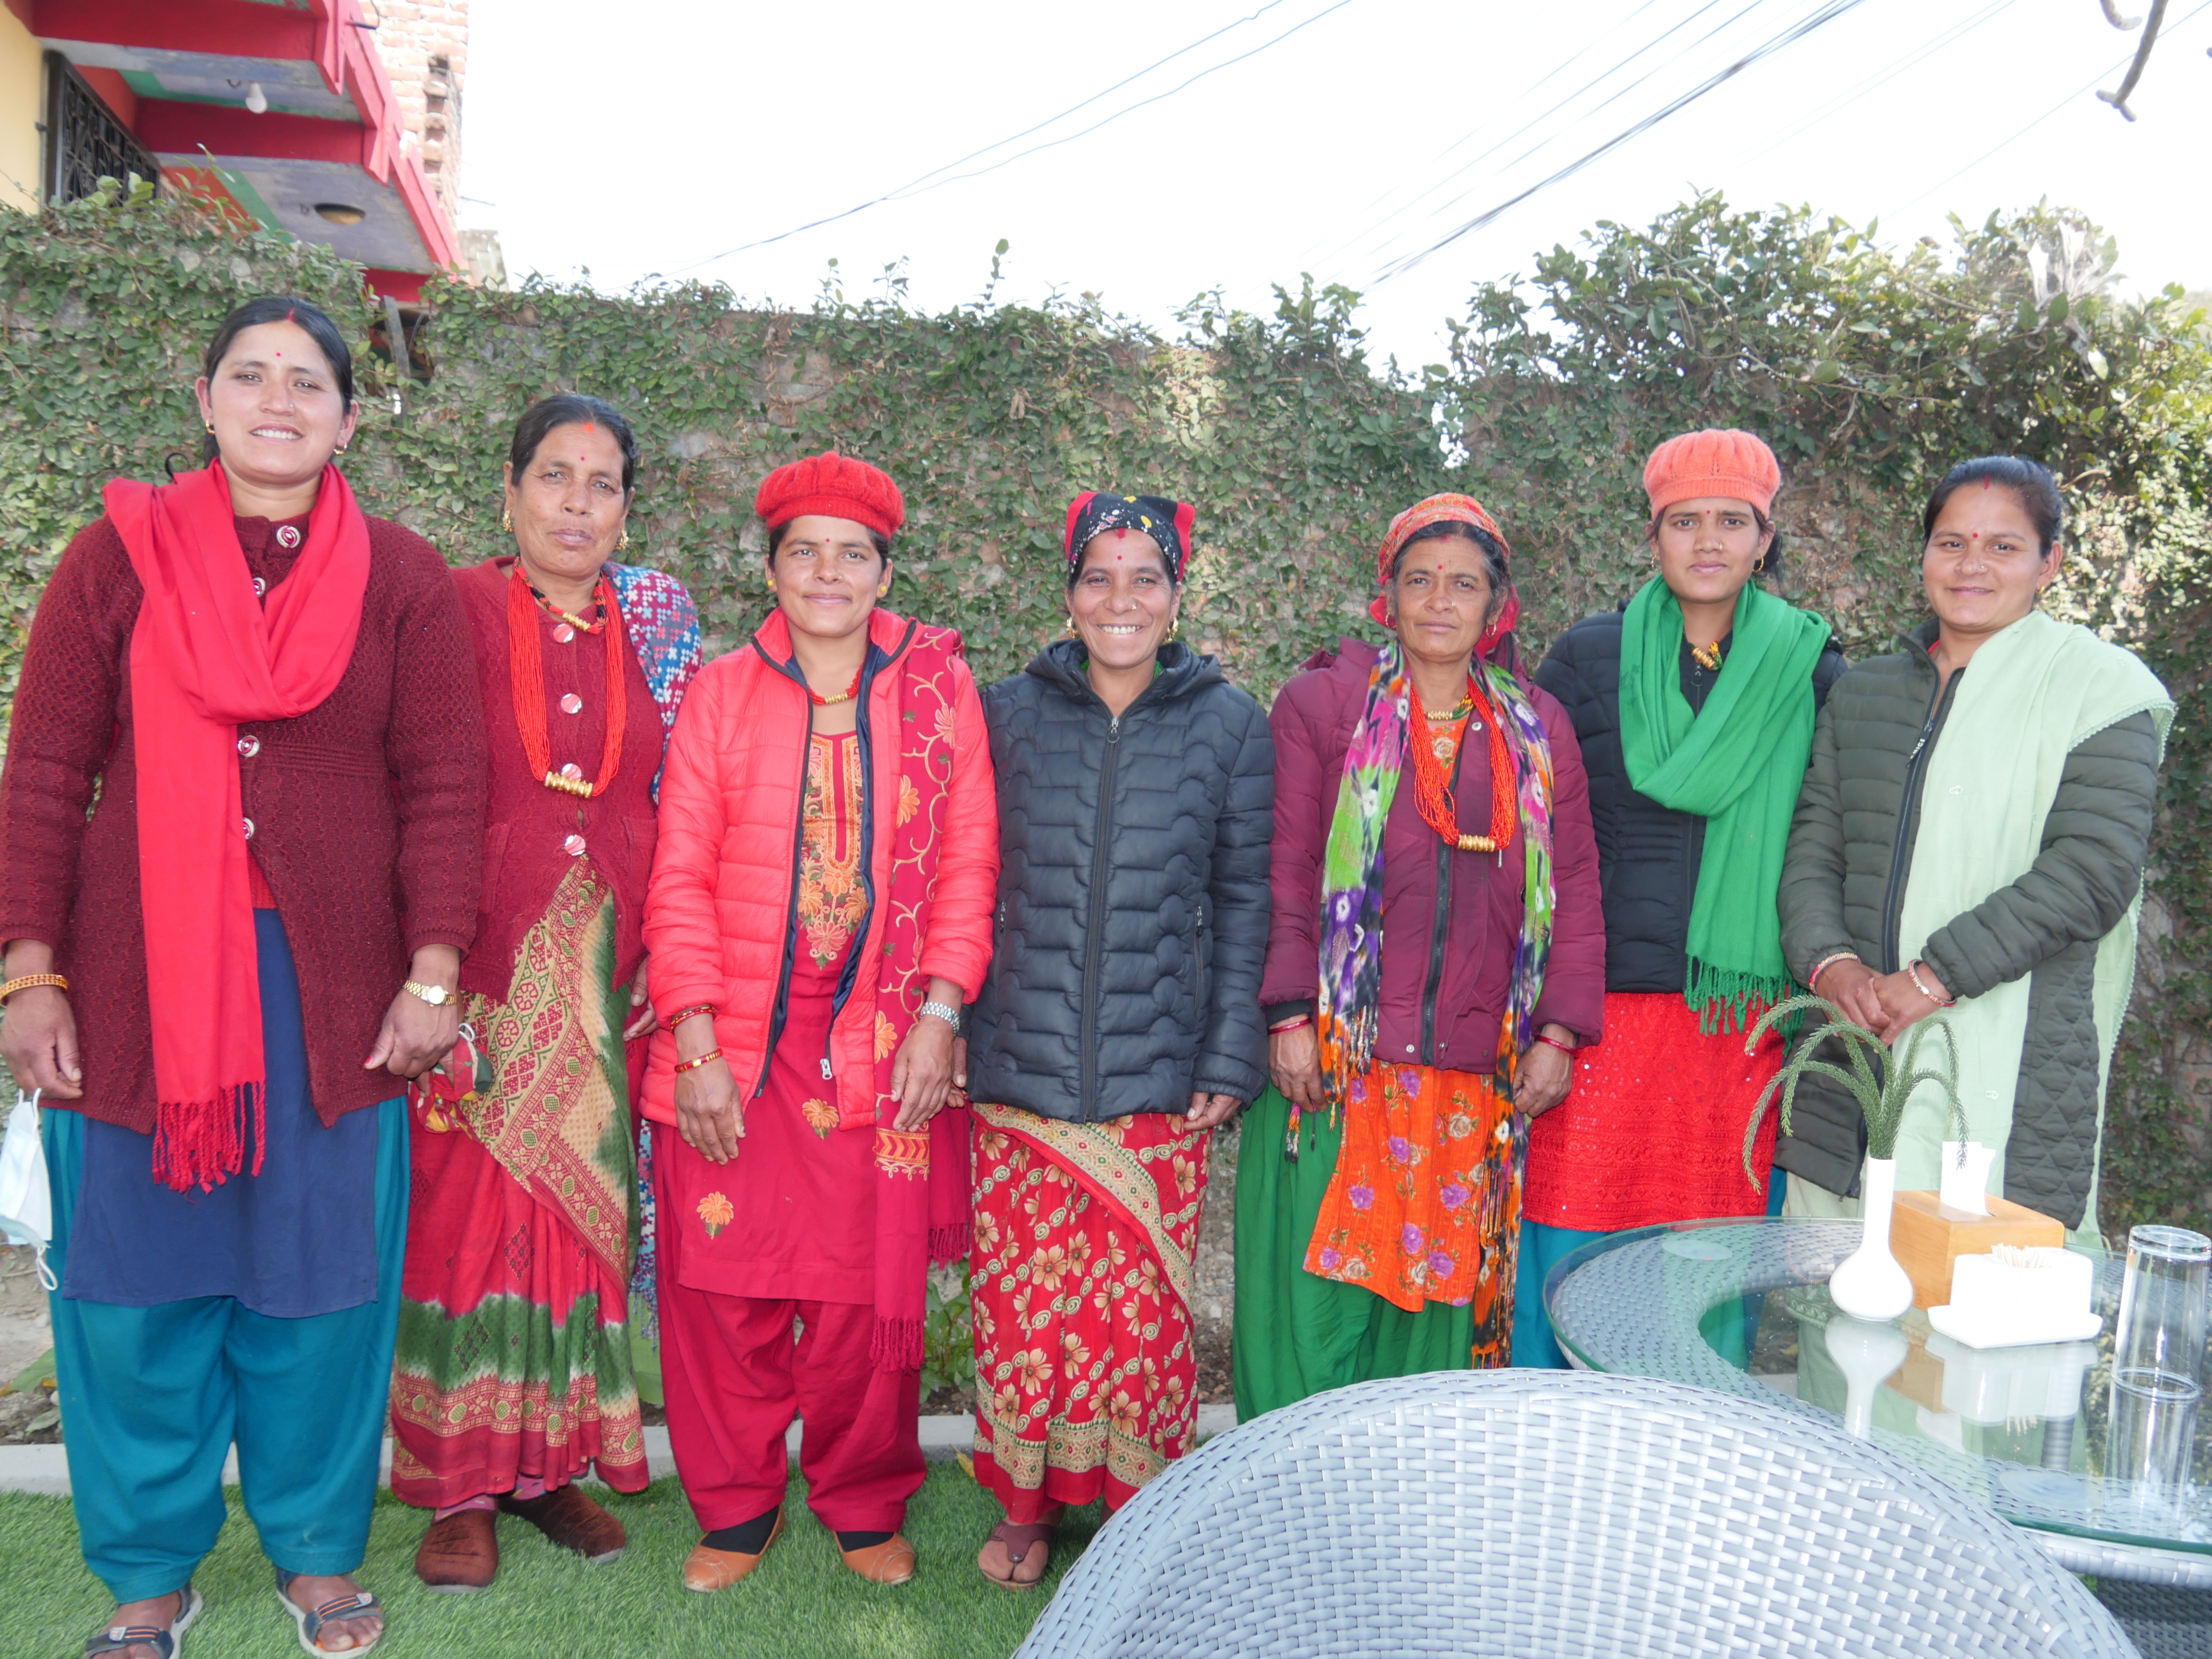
pixel 2091 867
pixel 1812 891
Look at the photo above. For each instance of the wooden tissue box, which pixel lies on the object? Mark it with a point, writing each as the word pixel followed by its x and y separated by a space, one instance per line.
pixel 1927 1238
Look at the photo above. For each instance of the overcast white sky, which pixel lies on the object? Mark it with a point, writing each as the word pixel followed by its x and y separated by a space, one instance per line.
pixel 648 138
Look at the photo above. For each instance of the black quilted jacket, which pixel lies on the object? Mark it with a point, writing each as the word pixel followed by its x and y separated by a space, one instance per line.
pixel 1843 889
pixel 1647 853
pixel 1132 892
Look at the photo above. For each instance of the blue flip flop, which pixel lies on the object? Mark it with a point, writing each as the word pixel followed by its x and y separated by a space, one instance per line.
pixel 168 1640
pixel 310 1621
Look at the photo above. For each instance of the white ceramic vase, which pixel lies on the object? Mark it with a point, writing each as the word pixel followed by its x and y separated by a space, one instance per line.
pixel 1870 1285
pixel 1867 1354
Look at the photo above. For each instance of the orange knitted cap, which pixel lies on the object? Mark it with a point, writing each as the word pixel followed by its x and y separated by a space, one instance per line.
pixel 1714 462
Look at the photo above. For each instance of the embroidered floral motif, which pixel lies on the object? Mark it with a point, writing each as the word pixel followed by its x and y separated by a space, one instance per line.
pixel 832 899
pixel 821 1116
pixel 886 1035
pixel 715 1213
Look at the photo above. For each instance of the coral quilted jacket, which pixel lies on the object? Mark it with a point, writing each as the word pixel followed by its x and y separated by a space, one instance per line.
pixel 717 915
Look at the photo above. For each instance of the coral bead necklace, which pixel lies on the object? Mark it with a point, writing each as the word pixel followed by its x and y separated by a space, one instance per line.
pixel 1433 749
pixel 526 675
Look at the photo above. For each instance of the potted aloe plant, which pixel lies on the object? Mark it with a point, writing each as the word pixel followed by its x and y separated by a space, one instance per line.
pixel 1870 1285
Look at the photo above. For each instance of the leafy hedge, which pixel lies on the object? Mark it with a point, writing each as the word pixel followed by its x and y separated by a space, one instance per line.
pixel 1869 370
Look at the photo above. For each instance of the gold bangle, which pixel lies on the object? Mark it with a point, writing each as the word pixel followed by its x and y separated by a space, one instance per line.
pixel 694 1065
pixel 29 982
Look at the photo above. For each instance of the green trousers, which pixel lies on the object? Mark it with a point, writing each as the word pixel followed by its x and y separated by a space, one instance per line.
pixel 1296 1335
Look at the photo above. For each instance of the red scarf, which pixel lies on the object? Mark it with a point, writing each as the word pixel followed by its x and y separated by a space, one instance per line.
pixel 922 1176
pixel 207 656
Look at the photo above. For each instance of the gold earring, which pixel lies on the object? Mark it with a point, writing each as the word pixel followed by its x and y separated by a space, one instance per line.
pixel 507 521
pixel 1070 629
pixel 1758 565
pixel 622 546
pixel 1175 627
pixel 339 451
pixel 1655 558
pixel 211 427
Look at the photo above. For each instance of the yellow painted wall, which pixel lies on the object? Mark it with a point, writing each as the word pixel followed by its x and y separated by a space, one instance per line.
pixel 22 86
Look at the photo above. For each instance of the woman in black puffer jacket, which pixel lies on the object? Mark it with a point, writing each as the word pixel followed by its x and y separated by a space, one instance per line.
pixel 1120 1023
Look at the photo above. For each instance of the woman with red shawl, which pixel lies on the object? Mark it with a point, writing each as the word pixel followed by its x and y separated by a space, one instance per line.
pixel 240 835
pixel 820 908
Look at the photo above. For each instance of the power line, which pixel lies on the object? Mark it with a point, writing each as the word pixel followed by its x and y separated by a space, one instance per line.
pixel 1881 78
pixel 923 181
pixel 1526 127
pixel 2088 86
pixel 1789 37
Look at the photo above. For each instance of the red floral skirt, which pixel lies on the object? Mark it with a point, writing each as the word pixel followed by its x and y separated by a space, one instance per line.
pixel 1652 1130
pixel 1085 1375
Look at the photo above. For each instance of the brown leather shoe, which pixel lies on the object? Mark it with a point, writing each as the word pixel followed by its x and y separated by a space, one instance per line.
pixel 570 1520
pixel 706 1571
pixel 459 1555
pixel 891 1562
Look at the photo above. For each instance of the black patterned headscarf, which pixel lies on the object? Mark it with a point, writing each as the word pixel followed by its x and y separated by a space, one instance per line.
pixel 1168 523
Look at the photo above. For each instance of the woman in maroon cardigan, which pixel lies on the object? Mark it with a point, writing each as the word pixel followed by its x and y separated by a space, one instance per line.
pixel 222 970
pixel 1437 952
pixel 514 1374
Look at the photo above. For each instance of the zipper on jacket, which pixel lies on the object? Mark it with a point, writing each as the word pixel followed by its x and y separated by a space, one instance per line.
pixel 1094 935
pixel 1439 926
pixel 1908 815
pixel 1198 966
pixel 864 757
pixel 782 1005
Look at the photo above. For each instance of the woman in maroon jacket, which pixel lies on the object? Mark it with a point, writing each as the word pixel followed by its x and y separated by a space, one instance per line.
pixel 1436 954
pixel 223 969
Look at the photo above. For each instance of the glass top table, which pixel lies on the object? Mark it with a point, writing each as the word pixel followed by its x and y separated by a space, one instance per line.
pixel 1741 1307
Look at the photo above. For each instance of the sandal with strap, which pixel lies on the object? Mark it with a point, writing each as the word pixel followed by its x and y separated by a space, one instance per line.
pixel 310 1621
pixel 1020 1539
pixel 168 1640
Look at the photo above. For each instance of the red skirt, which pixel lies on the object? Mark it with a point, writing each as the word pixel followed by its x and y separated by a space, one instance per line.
pixel 1653 1129
pixel 1086 1380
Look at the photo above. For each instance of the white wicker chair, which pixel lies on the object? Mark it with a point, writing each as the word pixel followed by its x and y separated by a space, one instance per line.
pixel 1551 1513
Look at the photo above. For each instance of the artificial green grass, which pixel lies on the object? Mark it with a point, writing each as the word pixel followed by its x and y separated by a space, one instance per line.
pixel 547 1604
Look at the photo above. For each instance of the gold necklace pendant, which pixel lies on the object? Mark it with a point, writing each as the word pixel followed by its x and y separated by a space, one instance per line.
pixel 1707 656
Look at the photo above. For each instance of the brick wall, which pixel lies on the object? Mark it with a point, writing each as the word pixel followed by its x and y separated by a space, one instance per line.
pixel 424 45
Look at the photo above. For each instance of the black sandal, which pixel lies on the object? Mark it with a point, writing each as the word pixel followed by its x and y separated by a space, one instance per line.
pixel 168 1640
pixel 310 1621
pixel 1020 1538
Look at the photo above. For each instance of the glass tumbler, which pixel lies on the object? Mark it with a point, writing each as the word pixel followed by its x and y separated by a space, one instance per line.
pixel 2161 1321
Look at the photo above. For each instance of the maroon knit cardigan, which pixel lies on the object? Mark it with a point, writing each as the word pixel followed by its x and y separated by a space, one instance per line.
pixel 527 837
pixel 367 812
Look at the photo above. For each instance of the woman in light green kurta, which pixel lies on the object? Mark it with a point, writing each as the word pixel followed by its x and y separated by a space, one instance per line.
pixel 1974 842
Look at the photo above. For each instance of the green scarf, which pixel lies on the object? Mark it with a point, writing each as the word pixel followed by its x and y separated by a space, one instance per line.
pixel 1738 765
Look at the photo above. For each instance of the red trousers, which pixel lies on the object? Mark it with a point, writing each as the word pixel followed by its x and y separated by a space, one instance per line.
pixel 733 1379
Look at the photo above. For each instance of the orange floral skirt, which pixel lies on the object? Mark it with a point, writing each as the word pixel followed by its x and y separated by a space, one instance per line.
pixel 1426 1202
pixel 1085 1375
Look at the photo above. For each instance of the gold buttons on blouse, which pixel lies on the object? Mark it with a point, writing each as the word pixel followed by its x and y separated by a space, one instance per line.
pixel 249 746
pixel 571 704
pixel 574 846
pixel 563 634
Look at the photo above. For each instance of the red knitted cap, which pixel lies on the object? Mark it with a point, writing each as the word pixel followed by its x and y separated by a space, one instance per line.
pixel 837 487
pixel 1714 462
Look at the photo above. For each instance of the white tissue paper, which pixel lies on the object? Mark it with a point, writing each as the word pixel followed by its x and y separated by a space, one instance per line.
pixel 1966 1184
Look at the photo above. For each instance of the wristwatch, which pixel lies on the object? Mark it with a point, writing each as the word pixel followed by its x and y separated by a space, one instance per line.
pixel 436 995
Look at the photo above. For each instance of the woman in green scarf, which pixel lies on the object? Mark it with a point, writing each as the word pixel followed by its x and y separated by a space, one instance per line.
pixel 1695 706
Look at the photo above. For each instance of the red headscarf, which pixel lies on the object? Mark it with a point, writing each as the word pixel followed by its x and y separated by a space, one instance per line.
pixel 1444 509
pixel 206 656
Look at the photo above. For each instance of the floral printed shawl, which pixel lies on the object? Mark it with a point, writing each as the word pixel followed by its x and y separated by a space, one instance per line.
pixel 1351 874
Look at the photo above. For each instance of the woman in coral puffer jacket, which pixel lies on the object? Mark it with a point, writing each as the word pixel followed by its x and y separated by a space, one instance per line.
pixel 820 908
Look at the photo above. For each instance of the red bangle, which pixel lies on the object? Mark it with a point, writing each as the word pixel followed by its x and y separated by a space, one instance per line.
pixel 694 1065
pixel 1554 1043
pixel 682 1014
pixel 1290 1024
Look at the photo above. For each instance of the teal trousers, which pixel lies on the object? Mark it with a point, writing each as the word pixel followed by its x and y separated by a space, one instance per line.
pixel 1544 1248
pixel 152 1399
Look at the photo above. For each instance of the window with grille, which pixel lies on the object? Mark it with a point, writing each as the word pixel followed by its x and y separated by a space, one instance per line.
pixel 84 141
